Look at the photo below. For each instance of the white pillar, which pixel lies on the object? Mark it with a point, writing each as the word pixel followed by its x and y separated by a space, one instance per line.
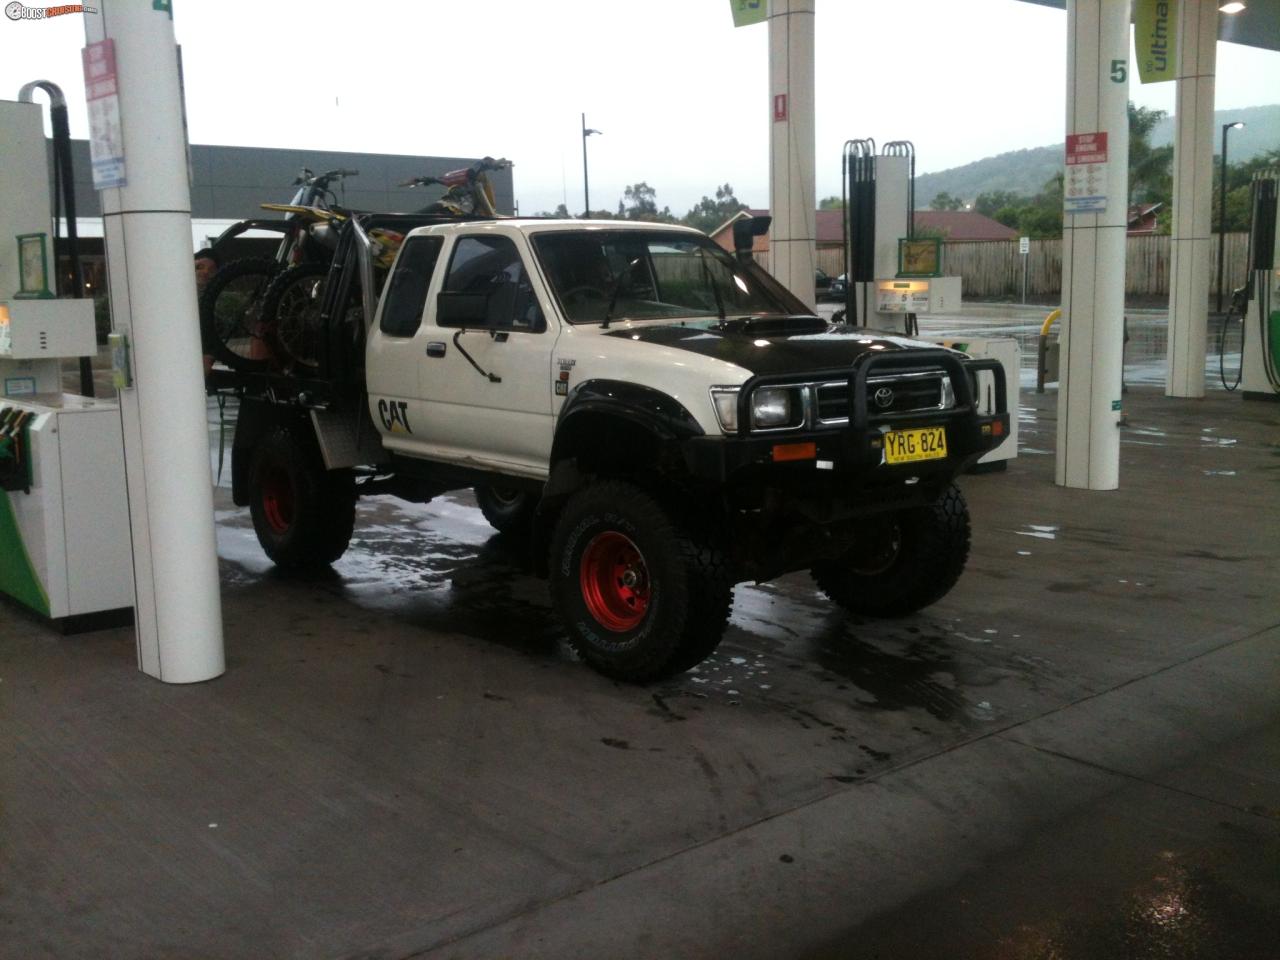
pixel 1093 250
pixel 147 223
pixel 792 236
pixel 1192 247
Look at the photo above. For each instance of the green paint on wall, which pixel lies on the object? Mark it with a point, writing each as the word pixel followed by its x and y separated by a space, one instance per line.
pixel 17 576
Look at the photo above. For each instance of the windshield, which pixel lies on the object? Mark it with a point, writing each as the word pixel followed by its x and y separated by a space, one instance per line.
pixel 636 275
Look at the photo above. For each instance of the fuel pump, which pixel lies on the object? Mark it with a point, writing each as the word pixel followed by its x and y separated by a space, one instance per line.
pixel 64 530
pixel 1259 299
pixel 890 273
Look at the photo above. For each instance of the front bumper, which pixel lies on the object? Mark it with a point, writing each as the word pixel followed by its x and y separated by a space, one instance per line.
pixel 853 455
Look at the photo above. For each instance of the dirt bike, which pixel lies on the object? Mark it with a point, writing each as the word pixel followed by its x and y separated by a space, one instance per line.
pixel 291 305
pixel 233 305
pixel 468 191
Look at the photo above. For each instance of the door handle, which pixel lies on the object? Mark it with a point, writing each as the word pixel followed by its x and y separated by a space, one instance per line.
pixel 435 349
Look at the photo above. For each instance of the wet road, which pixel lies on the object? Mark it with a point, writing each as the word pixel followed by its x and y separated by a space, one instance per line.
pixel 1062 605
pixel 1071 756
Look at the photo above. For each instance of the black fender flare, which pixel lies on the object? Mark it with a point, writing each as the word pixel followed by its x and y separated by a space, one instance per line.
pixel 651 410
pixel 655 411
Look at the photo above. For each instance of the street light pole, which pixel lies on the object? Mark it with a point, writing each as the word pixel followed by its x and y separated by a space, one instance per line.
pixel 1222 207
pixel 586 193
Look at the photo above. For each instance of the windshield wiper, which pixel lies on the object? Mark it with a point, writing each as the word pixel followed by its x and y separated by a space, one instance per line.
pixel 617 289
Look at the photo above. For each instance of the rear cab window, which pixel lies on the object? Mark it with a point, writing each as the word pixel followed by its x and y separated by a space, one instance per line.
pixel 406 295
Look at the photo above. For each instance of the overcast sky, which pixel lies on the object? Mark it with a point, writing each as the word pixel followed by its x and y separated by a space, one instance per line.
pixel 681 95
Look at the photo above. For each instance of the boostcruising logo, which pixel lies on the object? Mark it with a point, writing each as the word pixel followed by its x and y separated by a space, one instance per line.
pixel 16 11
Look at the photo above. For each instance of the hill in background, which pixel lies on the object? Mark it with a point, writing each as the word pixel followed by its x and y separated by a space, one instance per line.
pixel 1025 171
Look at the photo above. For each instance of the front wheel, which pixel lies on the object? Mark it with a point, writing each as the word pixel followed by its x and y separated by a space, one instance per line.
pixel 231 325
pixel 302 513
pixel 903 561
pixel 638 595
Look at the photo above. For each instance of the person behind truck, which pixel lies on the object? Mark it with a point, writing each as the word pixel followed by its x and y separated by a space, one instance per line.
pixel 207 267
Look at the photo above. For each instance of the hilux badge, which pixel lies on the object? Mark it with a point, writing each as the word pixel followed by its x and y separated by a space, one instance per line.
pixel 884 398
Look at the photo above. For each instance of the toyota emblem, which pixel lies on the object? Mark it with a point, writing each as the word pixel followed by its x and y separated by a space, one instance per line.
pixel 884 398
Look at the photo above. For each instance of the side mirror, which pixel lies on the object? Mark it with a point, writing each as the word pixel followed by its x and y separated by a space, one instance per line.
pixel 489 310
pixel 745 232
pixel 462 309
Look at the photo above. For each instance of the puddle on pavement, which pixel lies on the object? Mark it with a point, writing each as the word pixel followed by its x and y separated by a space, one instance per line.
pixel 1183 911
pixel 442 567
pixel 1039 531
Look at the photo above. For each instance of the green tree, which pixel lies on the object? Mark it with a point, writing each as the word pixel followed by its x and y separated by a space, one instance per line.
pixel 989 204
pixel 1239 187
pixel 1150 168
pixel 1042 216
pixel 1009 215
pixel 831 203
pixel 641 204
pixel 945 201
pixel 561 212
pixel 709 213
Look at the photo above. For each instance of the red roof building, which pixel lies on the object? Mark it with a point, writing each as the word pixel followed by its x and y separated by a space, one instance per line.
pixel 953 224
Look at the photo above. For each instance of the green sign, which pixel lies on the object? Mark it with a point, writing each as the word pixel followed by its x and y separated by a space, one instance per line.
pixel 747 12
pixel 1155 38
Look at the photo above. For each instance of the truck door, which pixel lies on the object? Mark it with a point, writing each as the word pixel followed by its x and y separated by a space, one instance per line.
pixel 486 384
pixel 397 347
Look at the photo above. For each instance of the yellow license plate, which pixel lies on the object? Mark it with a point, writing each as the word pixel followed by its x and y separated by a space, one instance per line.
pixel 908 446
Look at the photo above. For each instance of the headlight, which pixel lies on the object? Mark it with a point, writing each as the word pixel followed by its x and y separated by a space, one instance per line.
pixel 725 400
pixel 773 407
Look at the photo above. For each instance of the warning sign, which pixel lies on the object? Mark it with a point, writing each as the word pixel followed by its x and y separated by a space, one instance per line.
pixel 1085 185
pixel 106 142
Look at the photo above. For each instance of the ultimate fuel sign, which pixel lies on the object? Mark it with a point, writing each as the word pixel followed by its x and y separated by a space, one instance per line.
pixel 1155 39
pixel 747 12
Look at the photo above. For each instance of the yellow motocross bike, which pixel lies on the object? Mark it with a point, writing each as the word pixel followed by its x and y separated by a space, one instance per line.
pixel 254 311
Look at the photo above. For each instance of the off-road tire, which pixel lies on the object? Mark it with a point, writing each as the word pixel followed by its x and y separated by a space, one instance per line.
pixel 508 509
pixel 924 554
pixel 302 513
pixel 687 600
pixel 291 315
pixel 231 327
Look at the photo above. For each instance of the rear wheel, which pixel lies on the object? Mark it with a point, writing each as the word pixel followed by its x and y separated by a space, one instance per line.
pixel 633 587
pixel 302 513
pixel 231 306
pixel 905 561
pixel 508 509
pixel 291 314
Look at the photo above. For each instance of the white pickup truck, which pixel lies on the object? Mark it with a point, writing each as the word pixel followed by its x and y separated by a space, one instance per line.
pixel 657 416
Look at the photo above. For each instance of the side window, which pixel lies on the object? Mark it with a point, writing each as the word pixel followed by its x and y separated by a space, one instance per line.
pixel 488 269
pixel 407 291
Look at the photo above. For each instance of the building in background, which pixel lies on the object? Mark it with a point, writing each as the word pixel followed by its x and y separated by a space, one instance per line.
pixel 229 183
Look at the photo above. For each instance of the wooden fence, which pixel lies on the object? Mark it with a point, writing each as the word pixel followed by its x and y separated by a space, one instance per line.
pixel 992 269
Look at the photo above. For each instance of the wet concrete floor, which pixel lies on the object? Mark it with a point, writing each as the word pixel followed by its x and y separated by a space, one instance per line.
pixel 1072 755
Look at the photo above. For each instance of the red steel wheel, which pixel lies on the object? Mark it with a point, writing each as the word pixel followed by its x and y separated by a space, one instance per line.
pixel 615 581
pixel 277 499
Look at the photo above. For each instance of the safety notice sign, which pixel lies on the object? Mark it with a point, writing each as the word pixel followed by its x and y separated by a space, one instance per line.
pixel 106 141
pixel 1084 189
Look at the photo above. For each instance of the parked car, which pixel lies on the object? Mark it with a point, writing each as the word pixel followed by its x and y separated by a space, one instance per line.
pixel 821 283
pixel 837 288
